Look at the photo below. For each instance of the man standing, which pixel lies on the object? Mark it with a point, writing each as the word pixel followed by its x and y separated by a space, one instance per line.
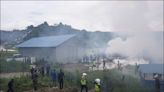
pixel 83 82
pixel 104 62
pixel 42 71
pixel 97 85
pixel 61 79
pixel 53 77
pixel 35 79
pixel 48 70
pixel 157 83
pixel 10 86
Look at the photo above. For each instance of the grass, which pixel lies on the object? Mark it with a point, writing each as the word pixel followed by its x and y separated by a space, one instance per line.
pixel 11 66
pixel 111 81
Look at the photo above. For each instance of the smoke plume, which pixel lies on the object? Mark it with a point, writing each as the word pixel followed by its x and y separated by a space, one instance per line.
pixel 147 45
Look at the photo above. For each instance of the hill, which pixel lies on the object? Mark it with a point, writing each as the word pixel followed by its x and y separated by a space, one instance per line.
pixel 89 39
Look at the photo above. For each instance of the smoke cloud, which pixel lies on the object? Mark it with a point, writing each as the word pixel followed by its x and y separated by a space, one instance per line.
pixel 148 45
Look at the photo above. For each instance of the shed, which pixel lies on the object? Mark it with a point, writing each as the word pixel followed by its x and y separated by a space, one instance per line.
pixel 62 48
pixel 147 71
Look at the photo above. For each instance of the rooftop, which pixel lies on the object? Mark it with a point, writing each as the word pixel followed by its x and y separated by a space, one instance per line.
pixel 151 68
pixel 49 41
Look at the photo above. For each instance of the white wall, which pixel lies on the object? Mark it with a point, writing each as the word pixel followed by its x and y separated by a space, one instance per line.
pixel 39 53
pixel 69 51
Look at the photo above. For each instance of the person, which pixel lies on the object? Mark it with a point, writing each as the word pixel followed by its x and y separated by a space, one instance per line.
pixel 83 82
pixel 157 83
pixel 10 86
pixel 61 79
pixel 32 71
pixel 104 62
pixel 97 85
pixel 48 70
pixel 53 77
pixel 136 68
pixel 35 79
pixel 42 71
pixel 123 77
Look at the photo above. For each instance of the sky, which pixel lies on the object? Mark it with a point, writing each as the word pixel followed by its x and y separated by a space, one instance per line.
pixel 89 15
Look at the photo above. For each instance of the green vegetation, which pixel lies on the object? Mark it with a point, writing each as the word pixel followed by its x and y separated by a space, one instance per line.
pixel 5 54
pixel 111 81
pixel 11 66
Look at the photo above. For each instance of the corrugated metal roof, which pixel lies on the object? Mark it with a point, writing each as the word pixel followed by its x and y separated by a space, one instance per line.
pixel 49 41
pixel 151 68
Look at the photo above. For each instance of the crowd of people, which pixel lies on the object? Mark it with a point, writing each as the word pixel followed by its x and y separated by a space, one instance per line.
pixel 56 77
pixel 45 71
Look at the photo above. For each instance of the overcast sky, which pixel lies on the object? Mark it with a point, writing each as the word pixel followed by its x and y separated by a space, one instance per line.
pixel 89 15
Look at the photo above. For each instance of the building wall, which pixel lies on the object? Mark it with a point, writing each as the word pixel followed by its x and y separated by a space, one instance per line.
pixel 38 53
pixel 68 51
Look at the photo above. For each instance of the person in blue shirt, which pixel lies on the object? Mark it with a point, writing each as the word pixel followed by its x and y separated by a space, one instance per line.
pixel 54 77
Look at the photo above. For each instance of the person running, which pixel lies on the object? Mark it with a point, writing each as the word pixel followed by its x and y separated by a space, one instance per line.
pixel 61 79
pixel 10 86
pixel 83 82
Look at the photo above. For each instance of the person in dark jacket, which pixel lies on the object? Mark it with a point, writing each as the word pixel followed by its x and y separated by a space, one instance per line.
pixel 10 86
pixel 157 83
pixel 32 70
pixel 42 71
pixel 53 77
pixel 104 62
pixel 35 80
pixel 48 70
pixel 61 79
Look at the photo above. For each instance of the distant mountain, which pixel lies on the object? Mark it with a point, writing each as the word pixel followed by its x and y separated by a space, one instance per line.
pixel 85 38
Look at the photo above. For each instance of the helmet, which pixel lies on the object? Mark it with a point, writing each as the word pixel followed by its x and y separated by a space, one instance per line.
pixel 84 74
pixel 156 76
pixel 97 81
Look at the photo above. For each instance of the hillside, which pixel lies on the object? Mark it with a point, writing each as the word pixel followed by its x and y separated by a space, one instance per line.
pixel 89 39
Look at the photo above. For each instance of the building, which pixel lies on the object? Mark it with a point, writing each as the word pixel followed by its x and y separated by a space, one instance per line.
pixel 62 48
pixel 147 72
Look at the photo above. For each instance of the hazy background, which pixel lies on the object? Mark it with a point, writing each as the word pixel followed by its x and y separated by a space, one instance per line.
pixel 90 15
pixel 140 22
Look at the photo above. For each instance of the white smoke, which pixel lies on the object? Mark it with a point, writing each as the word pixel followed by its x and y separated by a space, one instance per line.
pixel 147 45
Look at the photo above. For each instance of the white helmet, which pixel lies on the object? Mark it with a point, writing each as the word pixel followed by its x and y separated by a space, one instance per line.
pixel 97 81
pixel 84 74
pixel 156 76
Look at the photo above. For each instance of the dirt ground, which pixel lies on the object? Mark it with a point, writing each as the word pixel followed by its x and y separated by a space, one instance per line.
pixel 11 75
pixel 74 67
pixel 47 89
pixel 65 67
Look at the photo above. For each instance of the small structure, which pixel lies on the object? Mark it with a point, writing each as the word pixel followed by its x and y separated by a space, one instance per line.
pixel 62 48
pixel 148 72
